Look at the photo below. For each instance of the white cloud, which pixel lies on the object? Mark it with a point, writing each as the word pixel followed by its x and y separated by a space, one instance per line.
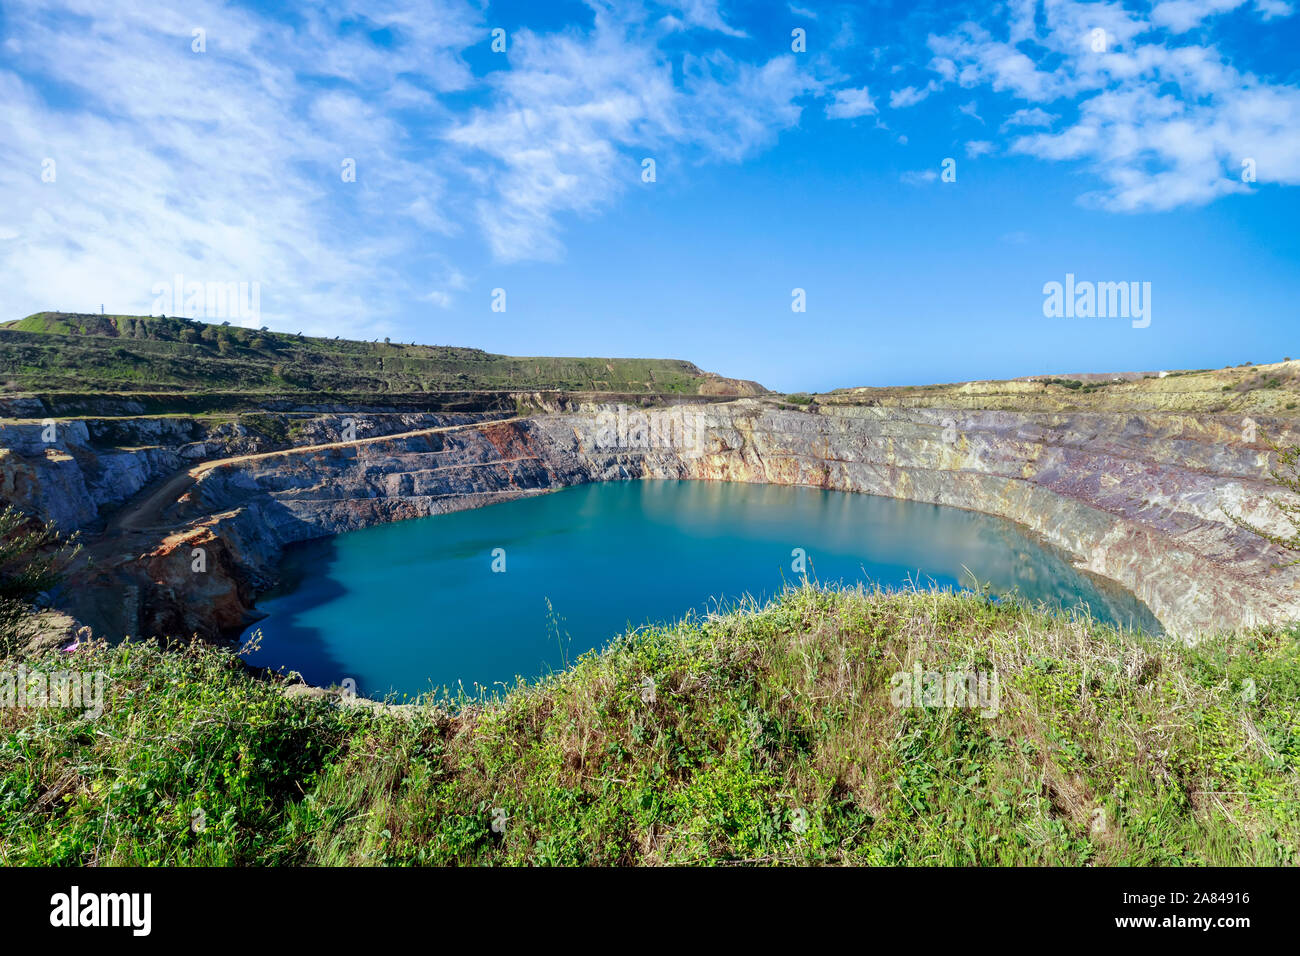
pixel 910 95
pixel 560 129
pixel 1183 15
pixel 850 104
pixel 225 165
pixel 1163 124
pixel 1029 117
pixel 704 14
pixel 918 177
pixel 214 165
pixel 1272 9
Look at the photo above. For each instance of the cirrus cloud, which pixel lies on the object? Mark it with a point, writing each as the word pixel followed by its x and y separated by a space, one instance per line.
pixel 1162 123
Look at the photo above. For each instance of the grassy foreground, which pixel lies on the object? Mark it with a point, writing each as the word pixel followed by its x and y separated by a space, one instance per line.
pixel 767 735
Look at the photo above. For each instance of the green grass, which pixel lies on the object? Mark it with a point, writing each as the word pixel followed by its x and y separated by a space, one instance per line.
pixel 770 737
pixel 51 352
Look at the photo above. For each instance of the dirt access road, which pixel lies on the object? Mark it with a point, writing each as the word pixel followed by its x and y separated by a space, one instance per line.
pixel 145 512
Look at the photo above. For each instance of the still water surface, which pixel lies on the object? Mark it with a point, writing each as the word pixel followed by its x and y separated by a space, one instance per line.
pixel 413 606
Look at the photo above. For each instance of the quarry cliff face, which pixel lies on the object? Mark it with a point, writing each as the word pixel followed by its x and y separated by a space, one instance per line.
pixel 1140 498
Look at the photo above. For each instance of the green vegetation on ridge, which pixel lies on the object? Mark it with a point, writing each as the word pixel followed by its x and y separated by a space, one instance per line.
pixel 766 735
pixel 51 351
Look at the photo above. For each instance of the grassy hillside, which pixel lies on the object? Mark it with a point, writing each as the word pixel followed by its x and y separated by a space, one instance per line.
pixel 53 351
pixel 764 736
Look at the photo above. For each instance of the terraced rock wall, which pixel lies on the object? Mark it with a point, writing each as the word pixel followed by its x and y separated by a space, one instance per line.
pixel 1141 498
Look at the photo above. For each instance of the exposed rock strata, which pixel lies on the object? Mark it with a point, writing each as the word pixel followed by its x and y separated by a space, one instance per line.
pixel 91 466
pixel 1138 498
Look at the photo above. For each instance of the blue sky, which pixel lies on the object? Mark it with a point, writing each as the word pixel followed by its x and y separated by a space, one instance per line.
pixel 1100 139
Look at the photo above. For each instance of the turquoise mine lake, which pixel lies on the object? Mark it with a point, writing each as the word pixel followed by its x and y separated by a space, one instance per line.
pixel 408 607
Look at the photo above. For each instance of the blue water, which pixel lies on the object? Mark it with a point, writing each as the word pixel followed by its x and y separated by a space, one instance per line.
pixel 413 606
